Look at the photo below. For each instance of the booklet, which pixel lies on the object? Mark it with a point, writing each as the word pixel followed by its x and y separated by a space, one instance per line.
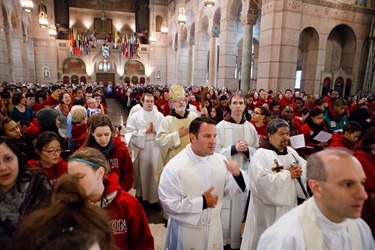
pixel 323 136
pixel 297 141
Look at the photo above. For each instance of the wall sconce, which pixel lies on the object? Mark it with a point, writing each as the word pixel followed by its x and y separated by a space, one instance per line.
pixel 42 14
pixel 164 28
pixel 152 37
pixel 181 18
pixel 27 5
pixel 209 3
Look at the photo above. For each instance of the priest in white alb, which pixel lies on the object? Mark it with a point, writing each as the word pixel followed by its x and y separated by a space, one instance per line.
pixel 192 187
pixel 143 125
pixel 330 219
pixel 277 178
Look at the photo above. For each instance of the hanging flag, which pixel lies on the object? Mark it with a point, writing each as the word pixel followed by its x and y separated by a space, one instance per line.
pixel 127 46
pixel 123 45
pixel 93 39
pixel 70 38
pixel 116 39
pixel 138 47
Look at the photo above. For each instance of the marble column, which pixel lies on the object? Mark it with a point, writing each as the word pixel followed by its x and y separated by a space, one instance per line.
pixel 190 72
pixel 248 22
pixel 201 58
pixel 212 69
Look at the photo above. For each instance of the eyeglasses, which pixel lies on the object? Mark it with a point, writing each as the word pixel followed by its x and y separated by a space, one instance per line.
pixel 257 113
pixel 288 111
pixel 54 151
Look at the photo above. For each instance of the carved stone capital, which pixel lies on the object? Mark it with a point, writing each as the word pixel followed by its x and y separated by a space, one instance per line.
pixel 249 17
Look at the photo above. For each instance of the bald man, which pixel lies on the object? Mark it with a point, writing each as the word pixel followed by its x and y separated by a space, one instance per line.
pixel 331 218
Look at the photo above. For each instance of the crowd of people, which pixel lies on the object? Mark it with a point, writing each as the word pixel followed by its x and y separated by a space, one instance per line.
pixel 210 159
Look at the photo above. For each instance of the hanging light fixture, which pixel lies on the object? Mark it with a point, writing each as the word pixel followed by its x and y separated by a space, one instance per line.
pixel 153 37
pixel 27 5
pixel 181 18
pixel 209 3
pixel 42 14
pixel 52 31
pixel 164 28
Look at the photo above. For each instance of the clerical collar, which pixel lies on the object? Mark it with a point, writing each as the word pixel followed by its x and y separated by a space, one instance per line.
pixel 267 145
pixel 325 222
pixel 173 113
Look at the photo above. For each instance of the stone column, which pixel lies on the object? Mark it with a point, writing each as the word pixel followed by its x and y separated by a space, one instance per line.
pixel 190 72
pixel 200 58
pixel 212 69
pixel 248 21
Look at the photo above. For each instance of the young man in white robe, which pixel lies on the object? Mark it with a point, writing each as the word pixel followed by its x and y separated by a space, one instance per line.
pixel 192 187
pixel 237 139
pixel 143 125
pixel 276 180
pixel 331 218
pixel 173 133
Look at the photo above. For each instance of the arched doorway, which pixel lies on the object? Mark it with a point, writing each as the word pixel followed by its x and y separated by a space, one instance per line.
pixel 339 86
pixel 66 80
pixel 326 86
pixel 134 69
pixel 348 86
pixel 75 79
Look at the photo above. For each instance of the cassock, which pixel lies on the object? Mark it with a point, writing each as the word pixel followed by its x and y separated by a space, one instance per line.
pixel 144 152
pixel 184 180
pixel 305 227
pixel 232 213
pixel 273 192
pixel 168 139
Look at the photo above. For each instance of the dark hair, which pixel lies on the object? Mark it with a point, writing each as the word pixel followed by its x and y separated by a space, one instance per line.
pixel 4 121
pixel 5 95
pixel 315 112
pixel 299 98
pixel 195 124
pixel 219 114
pixel 69 221
pixel 96 94
pixel 238 95
pixel 263 110
pixel 339 102
pixel 94 121
pixel 368 140
pixel 55 87
pixel 223 97
pixel 352 127
pixel 61 96
pixel 16 98
pixel 30 94
pixel 45 138
pixel 288 90
pixel 320 101
pixel 79 100
pixel 273 104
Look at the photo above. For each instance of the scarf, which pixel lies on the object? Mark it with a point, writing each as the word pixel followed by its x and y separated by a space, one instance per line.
pixel 63 110
pixel 315 128
pixel 105 150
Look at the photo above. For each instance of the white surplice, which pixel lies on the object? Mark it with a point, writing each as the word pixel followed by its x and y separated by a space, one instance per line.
pixel 184 180
pixel 272 194
pixel 320 233
pixel 144 152
pixel 232 212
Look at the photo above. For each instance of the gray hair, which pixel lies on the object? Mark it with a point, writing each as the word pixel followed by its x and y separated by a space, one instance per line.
pixel 275 124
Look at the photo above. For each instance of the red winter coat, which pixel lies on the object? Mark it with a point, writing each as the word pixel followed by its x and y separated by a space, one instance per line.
pixel 54 172
pixel 129 223
pixel 284 101
pixel 368 163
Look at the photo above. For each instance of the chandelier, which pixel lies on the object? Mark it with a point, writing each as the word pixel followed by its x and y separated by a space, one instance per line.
pixel 181 18
pixel 164 28
pixel 209 3
pixel 153 37
pixel 42 14
pixel 27 5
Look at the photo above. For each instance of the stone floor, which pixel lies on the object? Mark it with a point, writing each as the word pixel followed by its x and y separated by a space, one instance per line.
pixel 118 116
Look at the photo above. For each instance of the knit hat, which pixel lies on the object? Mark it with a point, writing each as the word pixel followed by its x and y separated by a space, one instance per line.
pixel 46 117
pixel 176 92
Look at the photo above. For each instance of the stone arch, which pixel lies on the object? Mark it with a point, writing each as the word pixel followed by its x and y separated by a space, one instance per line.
pixel 158 23
pixel 6 23
pixel 204 24
pixel 307 58
pixel 74 65
pixel 192 34
pixel 184 34
pixel 340 49
pixel 175 42
pixel 134 67
pixel 216 23
pixel 235 9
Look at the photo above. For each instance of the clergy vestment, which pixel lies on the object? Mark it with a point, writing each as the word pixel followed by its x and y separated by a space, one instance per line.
pixel 168 139
pixel 305 227
pixel 232 213
pixel 184 180
pixel 144 152
pixel 273 192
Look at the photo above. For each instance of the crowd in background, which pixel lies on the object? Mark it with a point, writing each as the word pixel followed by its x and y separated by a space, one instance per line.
pixel 43 125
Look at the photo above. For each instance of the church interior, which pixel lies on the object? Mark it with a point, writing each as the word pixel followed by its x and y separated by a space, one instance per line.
pixel 248 44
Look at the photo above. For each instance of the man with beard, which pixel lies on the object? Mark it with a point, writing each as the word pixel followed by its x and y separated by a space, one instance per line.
pixel 276 174
pixel 237 139
pixel 173 134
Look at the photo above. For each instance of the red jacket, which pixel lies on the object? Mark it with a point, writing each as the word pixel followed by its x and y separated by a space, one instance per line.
pixel 54 172
pixel 129 223
pixel 368 163
pixel 339 141
pixel 51 101
pixel 121 163
pixel 283 102
pixel 163 107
